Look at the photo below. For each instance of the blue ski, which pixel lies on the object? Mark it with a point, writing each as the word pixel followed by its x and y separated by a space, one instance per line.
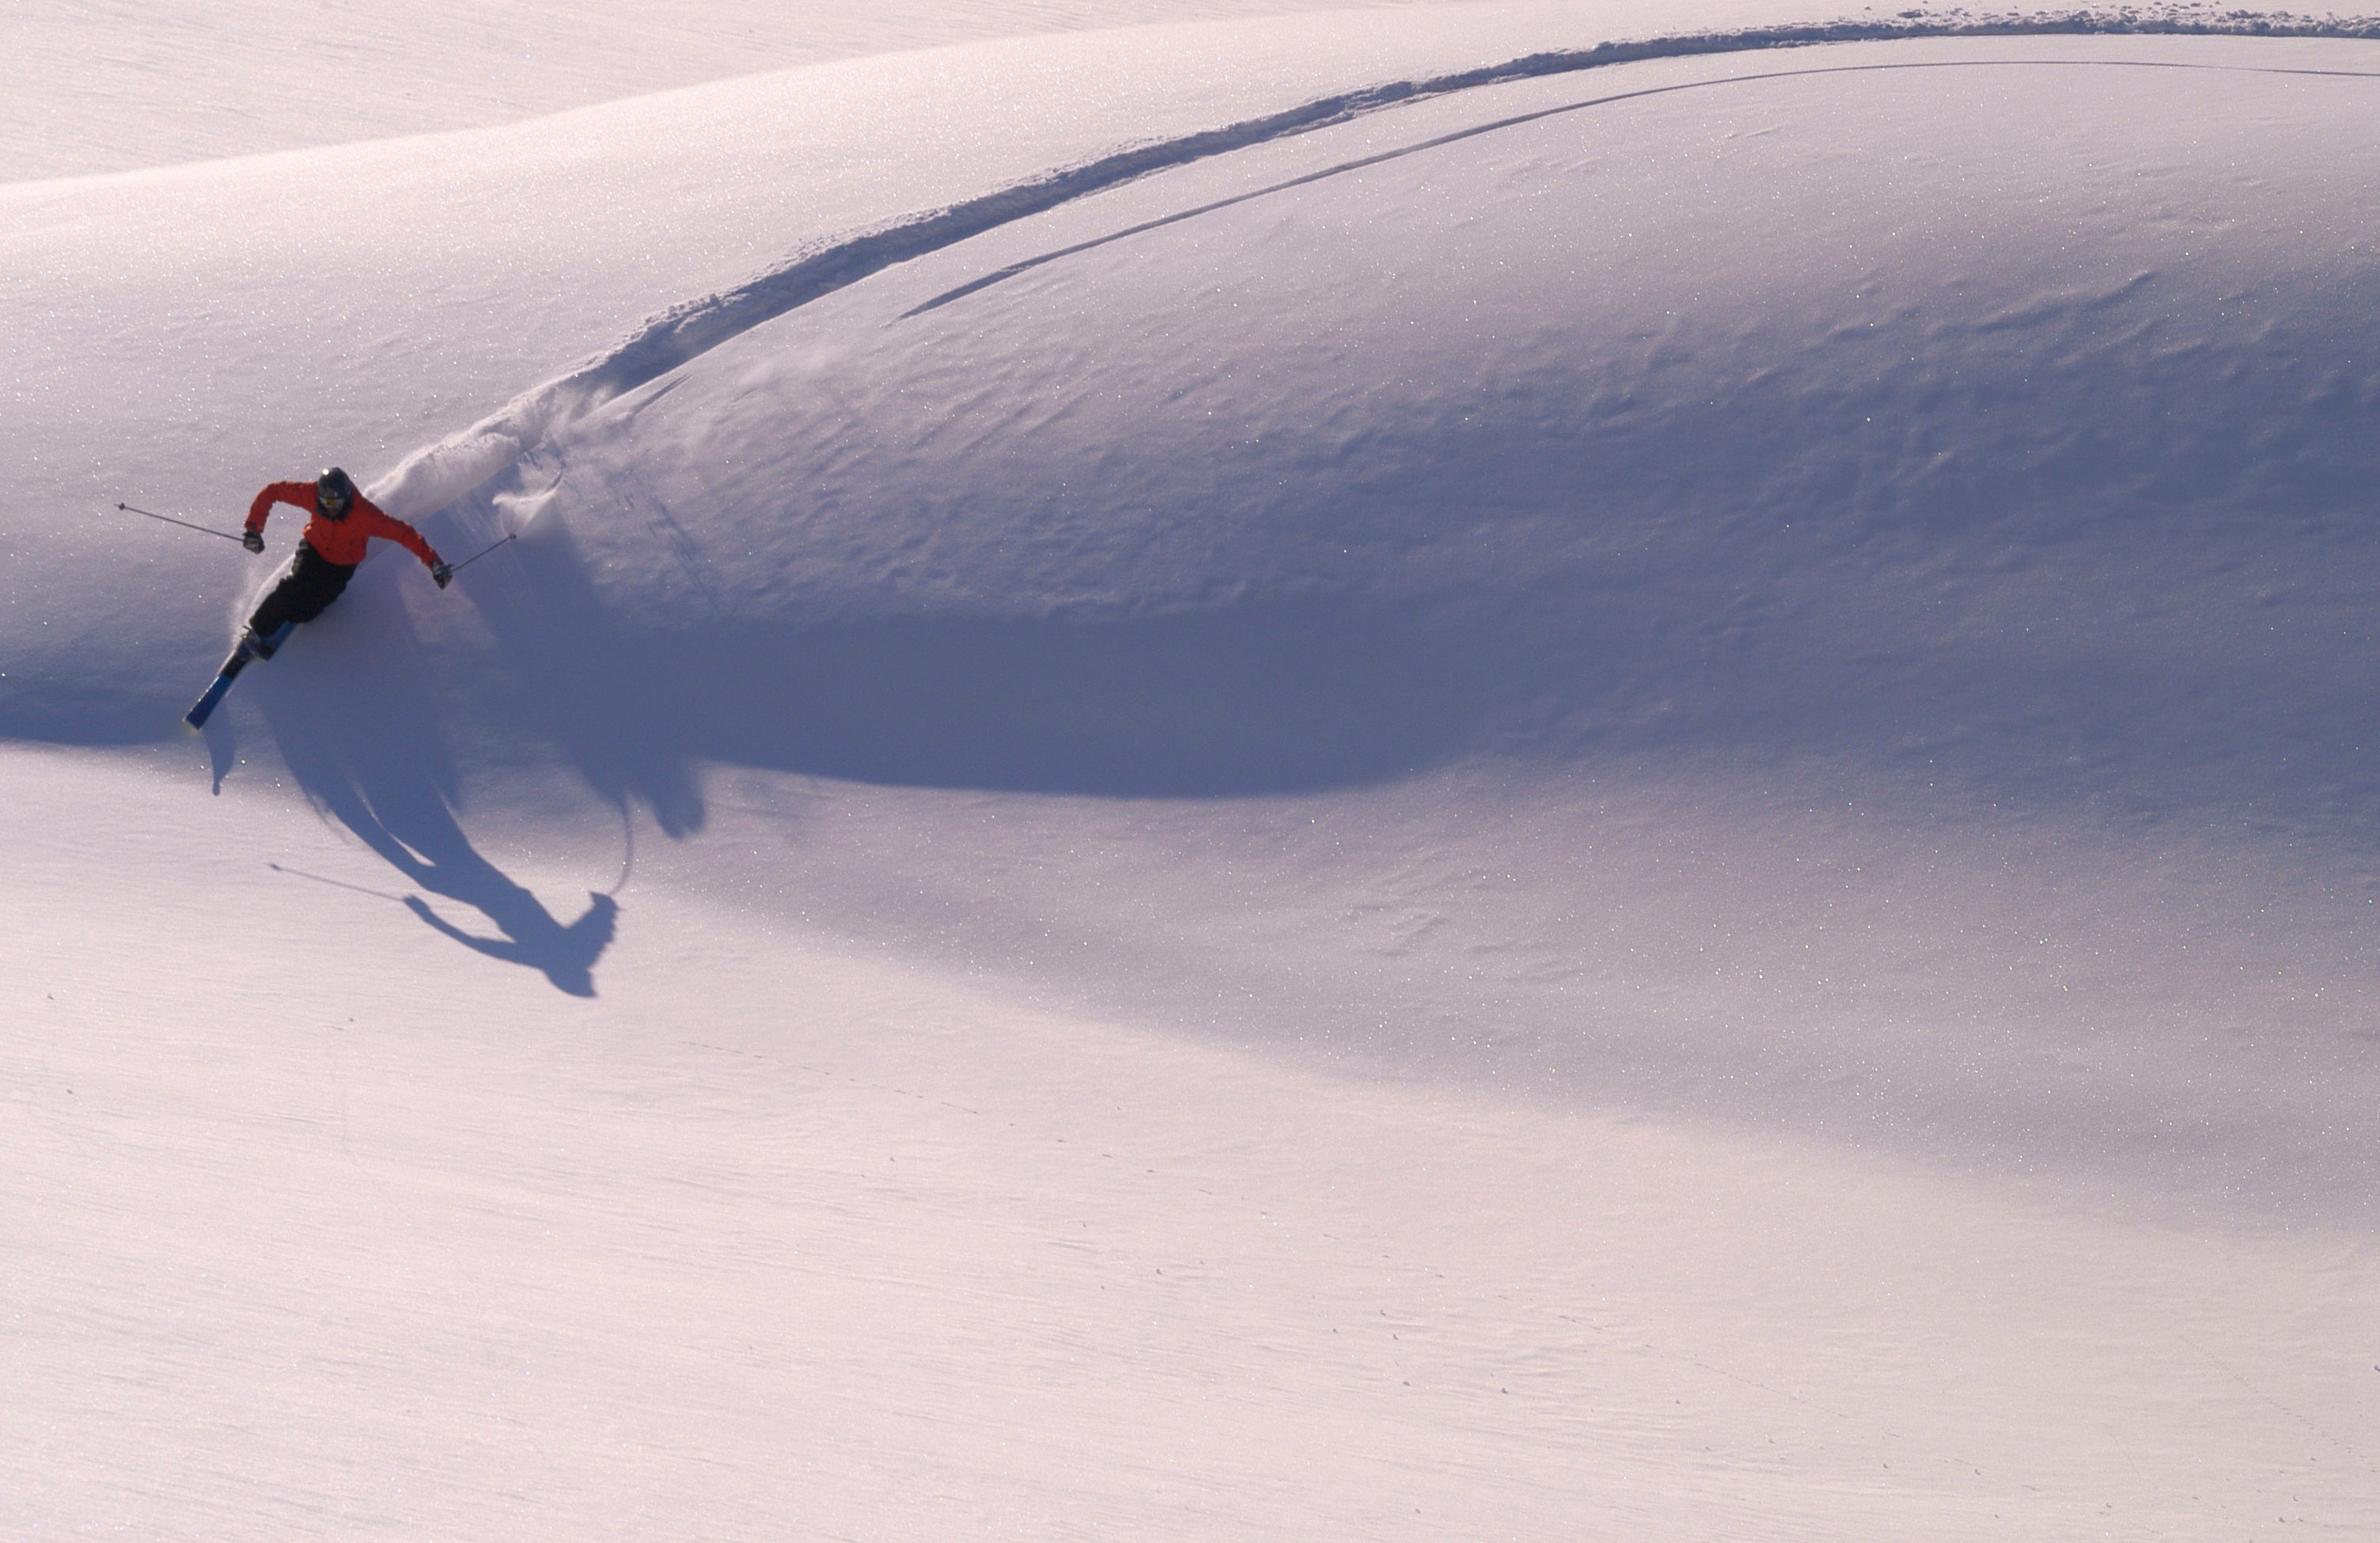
pixel 250 647
pixel 200 712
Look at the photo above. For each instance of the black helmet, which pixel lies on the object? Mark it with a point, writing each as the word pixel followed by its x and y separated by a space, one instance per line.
pixel 334 491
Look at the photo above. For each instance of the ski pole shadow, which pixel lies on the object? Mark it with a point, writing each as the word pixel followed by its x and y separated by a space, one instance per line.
pixel 359 728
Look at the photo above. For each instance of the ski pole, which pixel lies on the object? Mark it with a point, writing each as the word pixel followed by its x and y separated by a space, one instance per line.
pixel 183 523
pixel 458 567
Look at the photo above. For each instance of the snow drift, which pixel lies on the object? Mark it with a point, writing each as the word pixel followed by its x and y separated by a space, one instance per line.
pixel 2004 474
pixel 1667 442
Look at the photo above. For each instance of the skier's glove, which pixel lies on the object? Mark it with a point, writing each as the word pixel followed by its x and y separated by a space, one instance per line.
pixel 253 540
pixel 439 574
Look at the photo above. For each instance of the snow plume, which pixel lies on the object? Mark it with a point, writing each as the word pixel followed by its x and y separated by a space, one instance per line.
pixel 431 480
pixel 433 477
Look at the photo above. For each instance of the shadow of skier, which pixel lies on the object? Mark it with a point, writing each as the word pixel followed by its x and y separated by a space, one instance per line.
pixel 566 954
pixel 360 729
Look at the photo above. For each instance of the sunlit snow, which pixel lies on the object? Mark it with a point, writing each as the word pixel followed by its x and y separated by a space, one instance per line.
pixel 1331 775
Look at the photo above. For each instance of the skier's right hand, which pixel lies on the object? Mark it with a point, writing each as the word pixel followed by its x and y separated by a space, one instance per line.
pixel 253 540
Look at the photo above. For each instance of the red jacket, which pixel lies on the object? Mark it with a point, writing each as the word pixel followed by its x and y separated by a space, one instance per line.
pixel 340 541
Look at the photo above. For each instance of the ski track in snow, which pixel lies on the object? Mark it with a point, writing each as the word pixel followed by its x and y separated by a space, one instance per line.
pixel 1013 269
pixel 451 470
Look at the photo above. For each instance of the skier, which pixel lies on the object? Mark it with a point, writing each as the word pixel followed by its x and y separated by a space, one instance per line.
pixel 328 550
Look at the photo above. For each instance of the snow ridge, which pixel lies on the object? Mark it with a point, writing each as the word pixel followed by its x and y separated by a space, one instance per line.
pixel 999 275
pixel 443 473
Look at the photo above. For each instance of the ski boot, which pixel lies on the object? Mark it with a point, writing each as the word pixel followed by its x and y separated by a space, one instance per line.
pixel 254 646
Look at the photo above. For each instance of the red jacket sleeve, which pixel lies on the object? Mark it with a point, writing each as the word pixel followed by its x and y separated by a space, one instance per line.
pixel 388 528
pixel 299 493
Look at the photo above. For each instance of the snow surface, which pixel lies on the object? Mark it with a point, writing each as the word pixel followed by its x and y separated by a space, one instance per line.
pixel 206 79
pixel 1625 803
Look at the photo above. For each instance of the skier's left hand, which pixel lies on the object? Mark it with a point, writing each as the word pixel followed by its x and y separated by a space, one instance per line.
pixel 439 574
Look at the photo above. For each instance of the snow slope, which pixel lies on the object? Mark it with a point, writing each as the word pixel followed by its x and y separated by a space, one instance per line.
pixel 1629 803
pixel 89 89
pixel 380 296
pixel 768 1238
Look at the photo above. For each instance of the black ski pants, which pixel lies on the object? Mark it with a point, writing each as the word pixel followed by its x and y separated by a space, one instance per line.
pixel 312 582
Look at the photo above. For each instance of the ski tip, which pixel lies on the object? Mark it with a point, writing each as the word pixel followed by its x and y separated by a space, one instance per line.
pixel 202 710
